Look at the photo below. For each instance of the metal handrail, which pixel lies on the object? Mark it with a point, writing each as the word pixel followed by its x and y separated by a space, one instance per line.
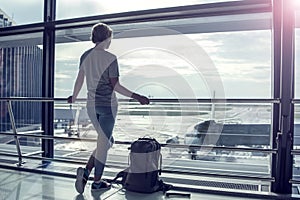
pixel 216 100
pixel 181 146
pixel 295 152
pixel 156 100
pixel 296 101
pixel 24 134
pixel 39 99
pixel 293 181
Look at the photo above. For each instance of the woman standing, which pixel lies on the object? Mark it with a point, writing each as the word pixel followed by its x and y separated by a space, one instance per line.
pixel 101 71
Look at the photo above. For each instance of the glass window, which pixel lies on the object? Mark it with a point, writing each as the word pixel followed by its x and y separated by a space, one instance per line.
pixel 21 61
pixel 297 82
pixel 297 55
pixel 296 140
pixel 217 57
pixel 220 55
pixel 228 56
pixel 66 68
pixel 243 60
pixel 18 12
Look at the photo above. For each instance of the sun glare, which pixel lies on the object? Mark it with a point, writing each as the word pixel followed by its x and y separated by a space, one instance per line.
pixel 296 3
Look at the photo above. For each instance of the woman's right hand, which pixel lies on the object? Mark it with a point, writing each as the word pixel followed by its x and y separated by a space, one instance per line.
pixel 70 99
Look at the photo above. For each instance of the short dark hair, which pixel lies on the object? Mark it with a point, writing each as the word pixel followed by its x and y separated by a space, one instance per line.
pixel 100 32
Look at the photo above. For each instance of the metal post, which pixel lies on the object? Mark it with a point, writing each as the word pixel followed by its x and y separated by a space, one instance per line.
pixel 48 76
pixel 13 125
pixel 283 169
pixel 276 38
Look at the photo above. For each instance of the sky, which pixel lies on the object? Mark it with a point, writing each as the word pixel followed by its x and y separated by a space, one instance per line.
pixel 33 9
pixel 241 61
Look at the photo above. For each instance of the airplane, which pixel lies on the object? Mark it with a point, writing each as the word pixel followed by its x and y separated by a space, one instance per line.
pixel 213 133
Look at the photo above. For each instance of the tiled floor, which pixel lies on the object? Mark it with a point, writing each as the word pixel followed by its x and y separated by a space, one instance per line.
pixel 17 185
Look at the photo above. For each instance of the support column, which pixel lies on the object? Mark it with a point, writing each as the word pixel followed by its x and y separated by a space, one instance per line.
pixel 48 76
pixel 276 38
pixel 283 169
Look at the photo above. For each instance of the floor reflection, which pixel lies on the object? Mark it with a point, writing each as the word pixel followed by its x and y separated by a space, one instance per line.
pixel 15 185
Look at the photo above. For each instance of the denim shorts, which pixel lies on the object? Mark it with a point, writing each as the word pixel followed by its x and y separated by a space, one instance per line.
pixel 106 116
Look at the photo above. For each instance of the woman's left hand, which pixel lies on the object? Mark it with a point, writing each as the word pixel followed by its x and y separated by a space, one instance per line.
pixel 143 100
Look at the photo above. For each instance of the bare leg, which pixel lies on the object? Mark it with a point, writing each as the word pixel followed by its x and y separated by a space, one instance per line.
pixel 91 162
pixel 103 122
pixel 100 157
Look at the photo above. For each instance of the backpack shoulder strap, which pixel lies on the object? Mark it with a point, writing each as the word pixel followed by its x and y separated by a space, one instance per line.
pixel 165 187
pixel 121 174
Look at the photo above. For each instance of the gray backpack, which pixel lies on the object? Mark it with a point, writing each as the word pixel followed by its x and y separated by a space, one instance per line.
pixel 145 162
